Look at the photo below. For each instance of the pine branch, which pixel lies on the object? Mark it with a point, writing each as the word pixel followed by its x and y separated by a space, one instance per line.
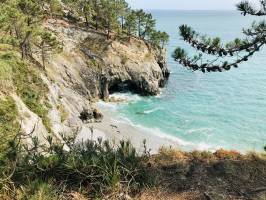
pixel 246 8
pixel 213 46
pixel 255 39
pixel 192 63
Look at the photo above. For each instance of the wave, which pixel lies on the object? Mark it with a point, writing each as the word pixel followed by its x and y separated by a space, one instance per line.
pixel 206 131
pixel 152 110
pixel 127 97
pixel 107 105
pixel 183 144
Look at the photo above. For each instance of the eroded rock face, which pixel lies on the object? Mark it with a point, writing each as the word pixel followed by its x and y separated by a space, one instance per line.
pixel 90 67
pixel 125 64
pixel 95 66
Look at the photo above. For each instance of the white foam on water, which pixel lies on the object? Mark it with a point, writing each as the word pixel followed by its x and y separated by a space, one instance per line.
pixel 206 131
pixel 152 110
pixel 127 97
pixel 109 106
pixel 174 139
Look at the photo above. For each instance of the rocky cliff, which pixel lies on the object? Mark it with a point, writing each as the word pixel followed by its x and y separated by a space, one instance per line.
pixel 107 65
pixel 89 68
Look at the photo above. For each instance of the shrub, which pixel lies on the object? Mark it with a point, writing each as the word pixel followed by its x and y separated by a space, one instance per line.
pixel 8 122
pixel 224 154
pixel 20 76
pixel 95 168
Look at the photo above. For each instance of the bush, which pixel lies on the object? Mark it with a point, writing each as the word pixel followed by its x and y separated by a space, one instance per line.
pixel 9 126
pixel 94 168
pixel 21 77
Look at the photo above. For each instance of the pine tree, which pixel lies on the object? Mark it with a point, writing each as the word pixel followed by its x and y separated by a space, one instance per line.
pixel 149 25
pixel 83 8
pixel 110 21
pixel 98 13
pixel 158 38
pixel 22 19
pixel 240 50
pixel 123 12
pixel 131 23
pixel 47 44
pixel 141 20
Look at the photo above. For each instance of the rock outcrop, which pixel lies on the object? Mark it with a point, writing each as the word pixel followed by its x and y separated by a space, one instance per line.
pixel 96 66
pixel 90 67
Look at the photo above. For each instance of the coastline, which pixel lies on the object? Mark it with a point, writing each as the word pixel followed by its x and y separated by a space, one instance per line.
pixel 114 129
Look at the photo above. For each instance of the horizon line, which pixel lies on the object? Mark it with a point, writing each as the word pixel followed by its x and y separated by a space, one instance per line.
pixel 164 9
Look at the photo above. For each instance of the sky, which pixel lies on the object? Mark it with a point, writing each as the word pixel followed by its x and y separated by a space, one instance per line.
pixel 184 4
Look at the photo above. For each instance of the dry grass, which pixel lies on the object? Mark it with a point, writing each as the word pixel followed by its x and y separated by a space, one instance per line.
pixel 148 57
pixel 63 113
pixel 205 175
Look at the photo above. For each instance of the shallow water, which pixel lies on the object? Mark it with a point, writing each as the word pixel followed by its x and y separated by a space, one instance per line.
pixel 206 111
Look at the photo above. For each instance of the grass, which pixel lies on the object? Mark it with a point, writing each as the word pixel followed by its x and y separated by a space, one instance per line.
pixel 9 126
pixel 23 78
pixel 63 113
pixel 5 76
pixel 148 57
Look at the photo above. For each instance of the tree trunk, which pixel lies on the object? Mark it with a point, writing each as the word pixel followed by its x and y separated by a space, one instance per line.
pixel 122 23
pixel 108 29
pixel 87 20
pixel 43 55
pixel 96 25
pixel 23 51
pixel 139 28
pixel 24 46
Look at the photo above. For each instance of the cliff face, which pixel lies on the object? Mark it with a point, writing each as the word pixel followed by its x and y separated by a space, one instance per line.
pixel 89 68
pixel 104 65
pixel 123 64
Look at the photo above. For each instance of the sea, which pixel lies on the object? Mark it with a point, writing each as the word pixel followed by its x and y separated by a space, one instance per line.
pixel 204 111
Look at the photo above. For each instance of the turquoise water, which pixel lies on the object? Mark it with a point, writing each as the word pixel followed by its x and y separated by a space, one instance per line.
pixel 218 110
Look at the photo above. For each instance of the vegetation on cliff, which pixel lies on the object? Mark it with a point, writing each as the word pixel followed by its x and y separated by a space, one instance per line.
pixel 22 78
pixel 116 16
pixel 21 22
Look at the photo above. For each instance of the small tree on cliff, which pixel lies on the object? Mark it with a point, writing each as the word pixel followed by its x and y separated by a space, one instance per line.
pixel 122 11
pixel 140 21
pixel 20 22
pixel 149 25
pixel 131 23
pixel 47 44
pixel 20 19
pixel 240 50
pixel 84 8
pixel 159 38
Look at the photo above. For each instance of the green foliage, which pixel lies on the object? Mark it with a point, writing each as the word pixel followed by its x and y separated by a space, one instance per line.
pixel 239 50
pixel 9 126
pixel 27 84
pixel 131 23
pixel 246 8
pixel 158 38
pixel 179 53
pixel 22 20
pixel 115 16
pixel 94 168
pixel 32 91
pixel 48 44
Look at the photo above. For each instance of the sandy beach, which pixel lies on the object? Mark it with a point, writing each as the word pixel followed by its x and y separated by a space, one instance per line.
pixel 115 130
